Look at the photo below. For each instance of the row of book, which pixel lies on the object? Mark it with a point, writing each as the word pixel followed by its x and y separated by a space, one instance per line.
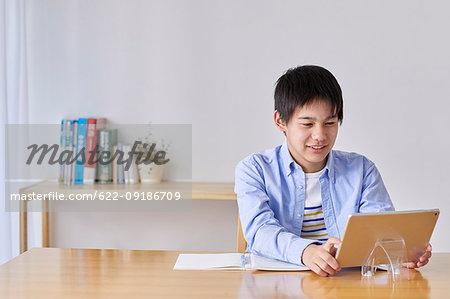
pixel 90 147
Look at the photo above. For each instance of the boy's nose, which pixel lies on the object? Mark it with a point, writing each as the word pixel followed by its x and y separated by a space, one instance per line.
pixel 318 134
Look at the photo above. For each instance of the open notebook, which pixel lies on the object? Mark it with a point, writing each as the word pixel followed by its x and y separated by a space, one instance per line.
pixel 232 261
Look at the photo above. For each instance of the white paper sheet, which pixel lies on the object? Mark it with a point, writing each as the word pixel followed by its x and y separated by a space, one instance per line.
pixel 232 261
pixel 213 261
pixel 262 263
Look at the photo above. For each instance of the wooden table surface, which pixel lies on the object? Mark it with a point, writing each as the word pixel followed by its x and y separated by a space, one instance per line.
pixel 100 273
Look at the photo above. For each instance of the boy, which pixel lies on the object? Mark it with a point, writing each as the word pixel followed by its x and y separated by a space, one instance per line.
pixel 294 200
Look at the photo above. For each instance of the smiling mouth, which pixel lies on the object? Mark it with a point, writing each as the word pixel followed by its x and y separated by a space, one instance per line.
pixel 317 146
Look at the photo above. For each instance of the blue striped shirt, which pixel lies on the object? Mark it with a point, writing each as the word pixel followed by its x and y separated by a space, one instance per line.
pixel 313 224
pixel 271 198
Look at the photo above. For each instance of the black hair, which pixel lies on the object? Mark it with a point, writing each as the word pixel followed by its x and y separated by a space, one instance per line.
pixel 304 84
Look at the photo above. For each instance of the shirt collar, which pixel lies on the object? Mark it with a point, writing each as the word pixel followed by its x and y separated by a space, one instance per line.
pixel 288 162
pixel 330 166
pixel 286 157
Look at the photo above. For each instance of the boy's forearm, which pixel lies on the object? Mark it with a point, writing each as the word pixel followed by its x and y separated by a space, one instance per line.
pixel 277 243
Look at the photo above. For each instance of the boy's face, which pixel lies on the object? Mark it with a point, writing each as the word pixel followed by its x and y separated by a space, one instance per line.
pixel 310 133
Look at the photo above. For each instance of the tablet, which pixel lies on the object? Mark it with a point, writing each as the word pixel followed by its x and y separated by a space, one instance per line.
pixel 364 229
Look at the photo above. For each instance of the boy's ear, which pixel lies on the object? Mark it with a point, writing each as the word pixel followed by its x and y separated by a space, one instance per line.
pixel 279 122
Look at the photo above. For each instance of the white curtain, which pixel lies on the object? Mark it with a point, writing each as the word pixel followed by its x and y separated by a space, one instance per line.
pixel 13 106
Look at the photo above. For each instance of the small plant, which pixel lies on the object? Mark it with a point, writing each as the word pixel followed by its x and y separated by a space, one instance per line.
pixel 151 152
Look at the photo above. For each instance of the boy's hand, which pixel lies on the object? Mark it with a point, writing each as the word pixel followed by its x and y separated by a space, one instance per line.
pixel 423 260
pixel 320 258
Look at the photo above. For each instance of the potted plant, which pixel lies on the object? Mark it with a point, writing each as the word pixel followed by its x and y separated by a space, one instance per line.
pixel 152 159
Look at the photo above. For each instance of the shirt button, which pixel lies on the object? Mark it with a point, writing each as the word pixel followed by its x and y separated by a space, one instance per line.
pixel 296 167
pixel 300 186
pixel 299 215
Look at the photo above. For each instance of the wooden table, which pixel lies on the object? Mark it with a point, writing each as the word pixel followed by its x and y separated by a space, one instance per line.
pixel 102 273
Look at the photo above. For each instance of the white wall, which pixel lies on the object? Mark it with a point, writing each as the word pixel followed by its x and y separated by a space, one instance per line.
pixel 214 64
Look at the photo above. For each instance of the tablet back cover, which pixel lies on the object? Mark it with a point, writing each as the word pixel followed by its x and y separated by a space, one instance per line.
pixel 363 230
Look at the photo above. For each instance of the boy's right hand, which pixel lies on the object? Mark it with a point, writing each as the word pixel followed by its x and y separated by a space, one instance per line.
pixel 320 258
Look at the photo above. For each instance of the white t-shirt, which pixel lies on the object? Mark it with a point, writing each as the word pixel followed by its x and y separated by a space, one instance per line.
pixel 313 223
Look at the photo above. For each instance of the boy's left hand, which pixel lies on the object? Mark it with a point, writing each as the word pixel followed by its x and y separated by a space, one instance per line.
pixel 423 260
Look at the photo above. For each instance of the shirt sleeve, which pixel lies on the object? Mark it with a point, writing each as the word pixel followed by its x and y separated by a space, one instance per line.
pixel 262 231
pixel 374 196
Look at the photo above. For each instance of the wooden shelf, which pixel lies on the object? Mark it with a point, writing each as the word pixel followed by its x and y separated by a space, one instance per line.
pixel 200 190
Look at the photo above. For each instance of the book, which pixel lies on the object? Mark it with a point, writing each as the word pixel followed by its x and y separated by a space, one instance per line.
pixel 107 139
pixel 130 175
pixel 74 149
pixel 81 143
pixel 133 172
pixel 120 169
pixel 114 152
pixel 232 261
pixel 61 148
pixel 68 147
pixel 91 143
pixel 126 172
pixel 101 123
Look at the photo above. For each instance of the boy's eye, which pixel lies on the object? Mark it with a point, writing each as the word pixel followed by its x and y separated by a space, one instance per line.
pixel 307 125
pixel 331 123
